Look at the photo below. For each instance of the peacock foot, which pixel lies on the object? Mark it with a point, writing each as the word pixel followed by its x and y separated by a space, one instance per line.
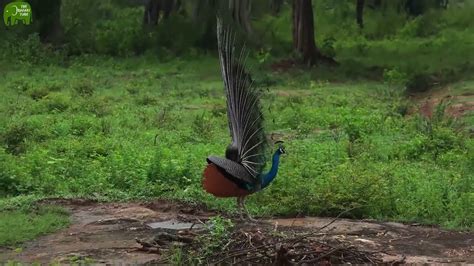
pixel 251 220
pixel 242 210
pixel 246 219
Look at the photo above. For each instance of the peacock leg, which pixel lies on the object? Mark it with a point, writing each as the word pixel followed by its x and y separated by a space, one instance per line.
pixel 247 212
pixel 240 206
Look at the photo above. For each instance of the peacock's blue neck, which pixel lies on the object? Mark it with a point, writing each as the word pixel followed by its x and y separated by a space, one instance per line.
pixel 268 177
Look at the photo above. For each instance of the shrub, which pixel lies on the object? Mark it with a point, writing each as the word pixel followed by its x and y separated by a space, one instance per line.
pixel 57 102
pixel 8 181
pixel 30 51
pixel 203 125
pixel 394 77
pixel 15 136
pixel 99 106
pixel 84 89
pixel 147 99
pixel 133 90
pixel 80 125
pixel 20 85
pixel 54 87
pixel 420 82
pixel 172 173
pixel 39 93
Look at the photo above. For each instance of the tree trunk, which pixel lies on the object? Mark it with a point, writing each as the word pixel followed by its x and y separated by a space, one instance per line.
pixel 241 13
pixel 376 4
pixel 205 15
pixel 276 5
pixel 3 3
pixel 152 12
pixel 169 6
pixel 154 8
pixel 48 14
pixel 303 31
pixel 360 13
pixel 415 7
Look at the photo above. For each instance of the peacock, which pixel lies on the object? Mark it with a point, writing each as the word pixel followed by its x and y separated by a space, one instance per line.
pixel 241 172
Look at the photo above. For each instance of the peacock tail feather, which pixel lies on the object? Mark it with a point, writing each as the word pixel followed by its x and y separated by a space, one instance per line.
pixel 244 112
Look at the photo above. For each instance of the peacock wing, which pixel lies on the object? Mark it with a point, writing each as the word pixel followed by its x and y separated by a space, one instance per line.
pixel 233 168
pixel 243 107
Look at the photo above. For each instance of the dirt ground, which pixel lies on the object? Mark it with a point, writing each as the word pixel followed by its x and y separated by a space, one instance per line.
pixel 460 104
pixel 107 232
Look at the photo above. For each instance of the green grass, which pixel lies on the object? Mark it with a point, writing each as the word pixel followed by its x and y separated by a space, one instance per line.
pixel 88 129
pixel 17 226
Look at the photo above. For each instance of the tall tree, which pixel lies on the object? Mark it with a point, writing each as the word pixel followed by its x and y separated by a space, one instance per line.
pixel 156 8
pixel 3 3
pixel 303 31
pixel 240 10
pixel 375 4
pixel 152 12
pixel 360 13
pixel 48 14
pixel 276 5
pixel 204 13
pixel 237 11
pixel 418 7
pixel 415 7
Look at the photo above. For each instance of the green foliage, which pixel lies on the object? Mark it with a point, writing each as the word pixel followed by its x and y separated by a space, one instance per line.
pixel 98 106
pixel 203 125
pixel 39 93
pixel 431 48
pixel 57 102
pixel 327 47
pixel 84 89
pixel 178 256
pixel 9 182
pixel 86 125
pixel 147 99
pixel 394 77
pixel 29 51
pixel 29 224
pixel 349 145
pixel 15 136
pixel 218 231
pixel 118 30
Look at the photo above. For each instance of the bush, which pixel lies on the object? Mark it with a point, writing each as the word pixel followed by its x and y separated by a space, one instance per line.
pixel 147 99
pixel 420 83
pixel 57 102
pixel 8 182
pixel 81 124
pixel 99 106
pixel 30 51
pixel 395 78
pixel 171 173
pixel 20 85
pixel 84 89
pixel 15 136
pixel 203 124
pixel 38 94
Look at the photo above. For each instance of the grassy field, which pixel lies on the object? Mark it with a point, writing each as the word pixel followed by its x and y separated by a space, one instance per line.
pixel 88 129
pixel 30 223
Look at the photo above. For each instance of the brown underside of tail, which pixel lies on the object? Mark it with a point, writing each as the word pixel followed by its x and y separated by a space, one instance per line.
pixel 215 182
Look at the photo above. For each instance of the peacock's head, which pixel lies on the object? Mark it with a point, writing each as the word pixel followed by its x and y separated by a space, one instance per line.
pixel 281 148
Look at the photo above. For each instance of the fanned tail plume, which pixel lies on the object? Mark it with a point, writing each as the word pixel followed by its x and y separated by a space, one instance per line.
pixel 243 105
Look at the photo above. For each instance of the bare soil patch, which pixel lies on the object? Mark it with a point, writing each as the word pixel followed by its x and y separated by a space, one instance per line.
pixel 459 104
pixel 121 233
